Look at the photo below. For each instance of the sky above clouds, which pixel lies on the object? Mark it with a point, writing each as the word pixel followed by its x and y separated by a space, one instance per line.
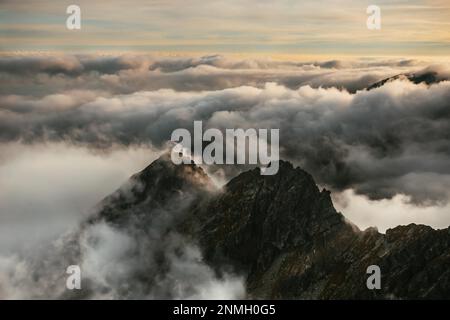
pixel 331 27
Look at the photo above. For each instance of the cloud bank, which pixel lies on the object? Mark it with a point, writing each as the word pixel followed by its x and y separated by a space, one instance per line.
pixel 140 257
pixel 383 142
pixel 385 152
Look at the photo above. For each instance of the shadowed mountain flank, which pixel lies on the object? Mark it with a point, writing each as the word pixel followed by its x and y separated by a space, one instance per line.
pixel 280 235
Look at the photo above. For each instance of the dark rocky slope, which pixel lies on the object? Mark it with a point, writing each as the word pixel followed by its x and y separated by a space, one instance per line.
pixel 426 76
pixel 282 234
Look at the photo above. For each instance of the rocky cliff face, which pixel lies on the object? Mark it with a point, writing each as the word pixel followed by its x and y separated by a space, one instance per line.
pixel 280 233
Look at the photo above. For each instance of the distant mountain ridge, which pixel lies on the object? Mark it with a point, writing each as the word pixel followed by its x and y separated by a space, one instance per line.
pixel 427 77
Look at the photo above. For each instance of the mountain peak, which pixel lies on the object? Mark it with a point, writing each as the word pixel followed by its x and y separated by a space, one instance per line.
pixel 256 217
pixel 162 185
pixel 281 233
pixel 163 166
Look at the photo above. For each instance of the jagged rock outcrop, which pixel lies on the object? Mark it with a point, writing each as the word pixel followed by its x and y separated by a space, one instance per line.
pixel 284 234
pixel 281 233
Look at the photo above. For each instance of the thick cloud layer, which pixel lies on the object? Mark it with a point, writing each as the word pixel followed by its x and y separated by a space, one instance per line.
pixel 47 189
pixel 387 141
pixel 44 75
pixel 106 117
pixel 137 258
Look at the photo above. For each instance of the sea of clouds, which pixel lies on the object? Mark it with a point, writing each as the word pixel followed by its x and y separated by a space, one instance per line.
pixel 74 127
